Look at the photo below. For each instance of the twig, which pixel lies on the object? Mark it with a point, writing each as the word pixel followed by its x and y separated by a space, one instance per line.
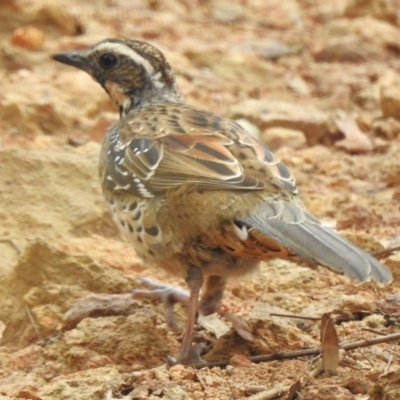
pixel 374 331
pixel 389 361
pixel 295 316
pixel 313 352
pixel 12 242
pixel 385 253
pixel 32 321
pixel 270 394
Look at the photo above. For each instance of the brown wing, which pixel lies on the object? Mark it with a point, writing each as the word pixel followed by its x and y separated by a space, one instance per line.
pixel 164 147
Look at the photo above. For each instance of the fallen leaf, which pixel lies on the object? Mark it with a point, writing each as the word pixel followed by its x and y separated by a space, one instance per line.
pixel 294 390
pixel 330 345
pixel 213 324
pixel 355 141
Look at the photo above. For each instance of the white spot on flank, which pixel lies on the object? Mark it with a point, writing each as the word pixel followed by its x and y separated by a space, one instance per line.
pixel 144 192
pixel 241 232
pixel 126 187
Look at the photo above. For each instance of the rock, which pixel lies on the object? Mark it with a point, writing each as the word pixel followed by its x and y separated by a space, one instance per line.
pixel 28 37
pixel 372 30
pixel 273 49
pixel 387 387
pixel 277 137
pixel 386 128
pixel 235 65
pixel 62 189
pixel 311 120
pixel 327 11
pixel 391 175
pixel 391 303
pixel 389 86
pixel 343 49
pixel 277 14
pixel 357 217
pixel 41 263
pixel 297 84
pixel 367 98
pixel 62 17
pixel 249 127
pixel 176 393
pixel 122 338
pixel 227 12
pixel 47 280
pixel 269 49
pixel 323 393
pixel 90 384
pixel 387 10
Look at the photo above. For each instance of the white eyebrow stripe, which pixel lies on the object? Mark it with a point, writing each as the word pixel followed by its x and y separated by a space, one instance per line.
pixel 123 49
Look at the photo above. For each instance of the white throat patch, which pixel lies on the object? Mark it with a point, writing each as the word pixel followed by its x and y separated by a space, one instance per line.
pixel 117 95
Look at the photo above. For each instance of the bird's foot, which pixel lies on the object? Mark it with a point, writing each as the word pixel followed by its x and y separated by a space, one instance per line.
pixel 190 357
pixel 168 294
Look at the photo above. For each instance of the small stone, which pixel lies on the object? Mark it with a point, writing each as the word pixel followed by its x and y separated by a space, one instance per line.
pixel 227 12
pixel 386 10
pixel 386 387
pixel 367 98
pixel 62 17
pixel 277 137
pixel 28 37
pixel 176 393
pixel 311 120
pixel 239 361
pixel 249 127
pixel 390 95
pixel 393 263
pixel 343 49
pixel 386 128
pixel 297 84
pixel 356 216
pixel 373 31
pixel 274 49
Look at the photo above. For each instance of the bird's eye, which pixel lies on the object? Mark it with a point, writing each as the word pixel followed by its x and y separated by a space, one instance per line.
pixel 108 60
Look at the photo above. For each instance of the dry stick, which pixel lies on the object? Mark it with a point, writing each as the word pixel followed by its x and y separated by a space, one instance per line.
pixel 389 361
pixel 12 242
pixel 385 253
pixel 295 316
pixel 313 352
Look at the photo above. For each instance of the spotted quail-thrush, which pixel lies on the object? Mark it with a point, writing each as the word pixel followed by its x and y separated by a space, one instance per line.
pixel 193 191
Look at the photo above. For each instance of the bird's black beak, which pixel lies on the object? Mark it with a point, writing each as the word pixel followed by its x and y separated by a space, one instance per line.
pixel 74 58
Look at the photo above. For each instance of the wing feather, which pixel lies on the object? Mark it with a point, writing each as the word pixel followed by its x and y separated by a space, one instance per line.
pixel 167 147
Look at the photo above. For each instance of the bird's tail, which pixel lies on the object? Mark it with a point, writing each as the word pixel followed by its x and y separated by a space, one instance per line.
pixel 291 225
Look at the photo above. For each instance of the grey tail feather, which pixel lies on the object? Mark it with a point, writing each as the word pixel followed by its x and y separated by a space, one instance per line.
pixel 311 240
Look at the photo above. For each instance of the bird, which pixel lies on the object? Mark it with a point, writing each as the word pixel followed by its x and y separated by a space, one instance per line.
pixel 193 191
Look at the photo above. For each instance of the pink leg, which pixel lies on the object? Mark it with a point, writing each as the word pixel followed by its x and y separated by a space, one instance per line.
pixel 189 355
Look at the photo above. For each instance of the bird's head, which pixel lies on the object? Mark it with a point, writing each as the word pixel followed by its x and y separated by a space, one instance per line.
pixel 134 73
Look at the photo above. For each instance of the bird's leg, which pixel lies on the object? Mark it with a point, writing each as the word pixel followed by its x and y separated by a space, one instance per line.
pixel 212 295
pixel 188 355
